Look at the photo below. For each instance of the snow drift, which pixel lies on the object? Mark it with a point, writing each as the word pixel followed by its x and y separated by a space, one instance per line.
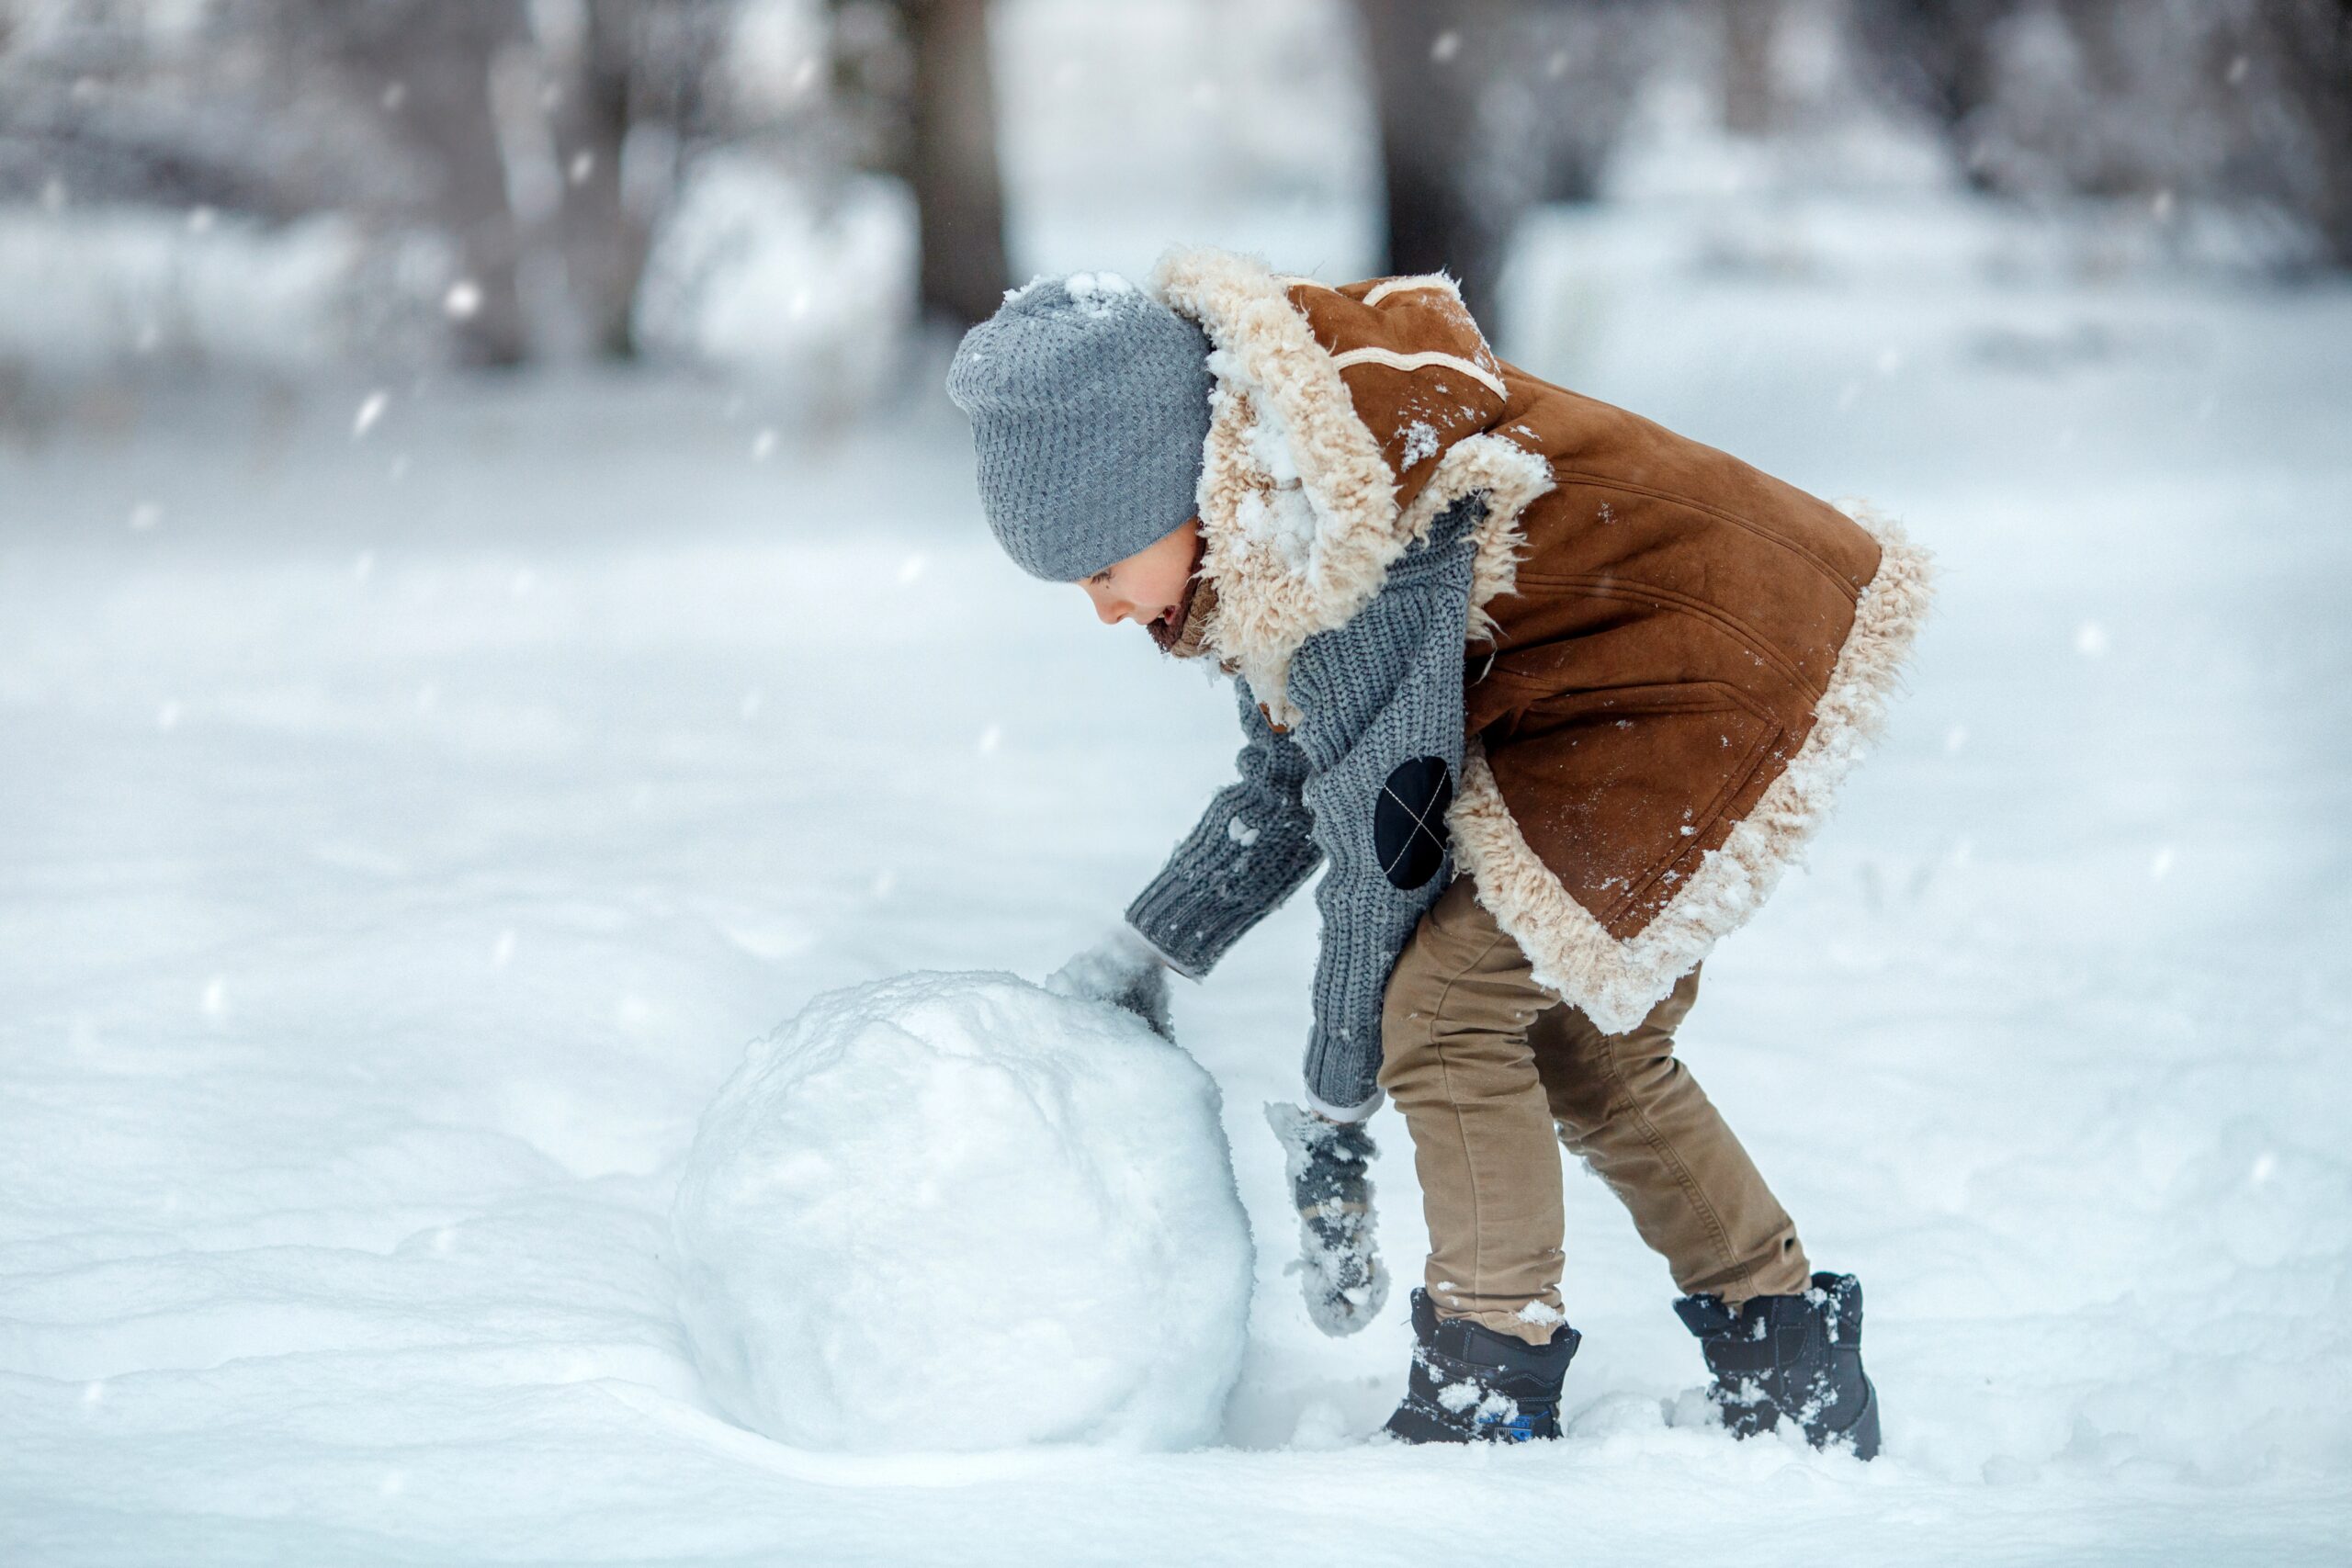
pixel 953 1211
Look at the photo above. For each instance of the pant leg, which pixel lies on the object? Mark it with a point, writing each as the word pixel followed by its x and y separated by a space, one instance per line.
pixel 1455 1060
pixel 1641 1121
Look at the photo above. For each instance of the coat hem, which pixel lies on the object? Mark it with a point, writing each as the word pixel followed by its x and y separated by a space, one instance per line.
pixel 1616 983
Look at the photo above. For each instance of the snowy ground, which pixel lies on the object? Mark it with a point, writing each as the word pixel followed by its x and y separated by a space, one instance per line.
pixel 405 832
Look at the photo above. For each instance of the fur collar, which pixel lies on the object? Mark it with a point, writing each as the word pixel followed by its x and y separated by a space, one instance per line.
pixel 1299 506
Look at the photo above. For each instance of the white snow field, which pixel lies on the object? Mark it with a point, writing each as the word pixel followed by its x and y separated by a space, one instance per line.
pixel 407 819
pixel 924 1215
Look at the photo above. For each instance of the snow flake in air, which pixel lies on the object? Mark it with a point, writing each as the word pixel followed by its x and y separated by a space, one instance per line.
pixel 372 409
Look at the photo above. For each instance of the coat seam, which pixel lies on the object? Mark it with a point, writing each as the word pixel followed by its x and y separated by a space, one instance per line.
pixel 1714 814
pixel 1747 636
pixel 1602 482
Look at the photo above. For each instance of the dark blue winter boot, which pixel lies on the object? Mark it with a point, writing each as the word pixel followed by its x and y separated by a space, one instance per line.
pixel 1470 1385
pixel 1795 1356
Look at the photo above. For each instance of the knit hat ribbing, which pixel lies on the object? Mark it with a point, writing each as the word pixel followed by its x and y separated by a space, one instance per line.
pixel 1090 405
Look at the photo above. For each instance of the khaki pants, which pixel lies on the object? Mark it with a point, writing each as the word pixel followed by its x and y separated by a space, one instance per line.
pixel 1488 1067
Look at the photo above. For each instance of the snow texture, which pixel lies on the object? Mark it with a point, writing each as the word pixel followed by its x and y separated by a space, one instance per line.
pixel 920 1216
pixel 1093 292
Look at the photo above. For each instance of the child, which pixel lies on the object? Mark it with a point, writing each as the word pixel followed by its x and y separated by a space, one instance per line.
pixel 1552 694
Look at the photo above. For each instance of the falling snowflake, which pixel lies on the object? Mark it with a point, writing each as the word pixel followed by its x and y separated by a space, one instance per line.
pixel 372 409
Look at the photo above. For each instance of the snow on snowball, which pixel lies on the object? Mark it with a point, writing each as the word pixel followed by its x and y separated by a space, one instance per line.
pixel 955 1211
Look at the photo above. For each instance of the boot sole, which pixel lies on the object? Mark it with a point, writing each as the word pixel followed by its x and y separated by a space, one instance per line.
pixel 1416 1423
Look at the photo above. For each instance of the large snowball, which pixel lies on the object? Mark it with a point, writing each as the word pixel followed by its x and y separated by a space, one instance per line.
pixel 959 1212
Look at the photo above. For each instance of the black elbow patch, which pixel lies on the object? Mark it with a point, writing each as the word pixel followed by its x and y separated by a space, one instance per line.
pixel 1409 824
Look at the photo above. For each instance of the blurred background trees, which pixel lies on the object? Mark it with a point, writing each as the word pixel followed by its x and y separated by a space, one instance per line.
pixel 504 182
pixel 2245 102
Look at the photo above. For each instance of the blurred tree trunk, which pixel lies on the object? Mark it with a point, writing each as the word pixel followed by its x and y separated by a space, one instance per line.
pixel 1431 59
pixel 604 239
pixel 2311 41
pixel 952 159
pixel 1586 61
pixel 1936 56
pixel 1750 101
pixel 428 63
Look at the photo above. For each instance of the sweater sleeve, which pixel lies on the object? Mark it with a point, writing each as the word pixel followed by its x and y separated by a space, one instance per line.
pixel 1252 848
pixel 1381 731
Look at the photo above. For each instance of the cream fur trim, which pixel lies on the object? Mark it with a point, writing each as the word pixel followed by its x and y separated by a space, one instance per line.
pixel 1511 476
pixel 1295 556
pixel 1617 983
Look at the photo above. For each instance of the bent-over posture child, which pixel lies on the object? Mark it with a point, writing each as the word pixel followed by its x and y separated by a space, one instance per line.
pixel 1553 696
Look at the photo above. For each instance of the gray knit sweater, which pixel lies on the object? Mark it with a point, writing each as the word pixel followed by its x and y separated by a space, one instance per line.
pixel 1361 783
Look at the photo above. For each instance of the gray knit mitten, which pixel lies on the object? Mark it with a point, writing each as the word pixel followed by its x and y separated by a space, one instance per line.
pixel 1124 970
pixel 1339 1263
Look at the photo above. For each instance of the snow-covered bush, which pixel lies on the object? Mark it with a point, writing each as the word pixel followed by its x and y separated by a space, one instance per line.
pixel 955 1211
pixel 767 275
pixel 85 289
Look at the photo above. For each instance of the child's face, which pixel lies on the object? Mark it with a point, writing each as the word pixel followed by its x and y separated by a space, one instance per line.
pixel 1147 586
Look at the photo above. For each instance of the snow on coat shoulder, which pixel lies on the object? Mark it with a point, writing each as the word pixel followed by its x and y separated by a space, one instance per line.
pixel 955 1211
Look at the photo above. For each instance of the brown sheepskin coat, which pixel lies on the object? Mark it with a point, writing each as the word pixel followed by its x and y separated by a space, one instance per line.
pixel 1674 657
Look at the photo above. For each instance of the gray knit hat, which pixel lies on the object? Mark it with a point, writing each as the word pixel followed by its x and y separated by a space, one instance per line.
pixel 1090 403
